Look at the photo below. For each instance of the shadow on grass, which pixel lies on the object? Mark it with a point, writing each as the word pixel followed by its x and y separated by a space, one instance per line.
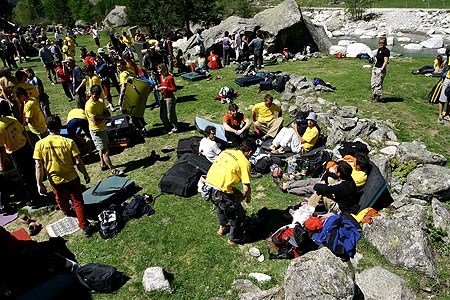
pixel 143 163
pixel 266 221
pixel 391 99
pixel 187 98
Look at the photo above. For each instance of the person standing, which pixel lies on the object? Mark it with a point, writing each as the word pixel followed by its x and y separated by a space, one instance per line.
pixel 64 78
pixel 15 142
pixel 55 156
pixel 167 111
pixel 443 98
pixel 230 168
pixel 264 118
pixel 200 41
pixel 96 113
pixel 78 82
pixel 47 59
pixel 226 46
pixel 257 44
pixel 32 113
pixel 379 70
pixel 96 35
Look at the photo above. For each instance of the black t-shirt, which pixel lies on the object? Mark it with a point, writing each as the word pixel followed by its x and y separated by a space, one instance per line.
pixel 381 54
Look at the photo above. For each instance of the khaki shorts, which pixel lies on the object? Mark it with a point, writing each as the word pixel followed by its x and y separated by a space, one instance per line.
pixel 100 139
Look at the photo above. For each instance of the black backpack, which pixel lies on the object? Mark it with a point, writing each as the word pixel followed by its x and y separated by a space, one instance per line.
pixel 109 222
pixel 263 164
pixel 318 159
pixel 101 278
pixel 281 83
pixel 291 241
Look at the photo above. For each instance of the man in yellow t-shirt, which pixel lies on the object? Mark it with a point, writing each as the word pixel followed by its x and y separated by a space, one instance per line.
pixel 264 117
pixel 32 113
pixel 123 76
pixel 290 137
pixel 230 167
pixel 96 113
pixel 55 155
pixel 32 91
pixel 15 142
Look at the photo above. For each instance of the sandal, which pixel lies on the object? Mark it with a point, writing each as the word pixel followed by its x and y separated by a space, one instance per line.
pixel 104 168
pixel 116 172
pixel 34 228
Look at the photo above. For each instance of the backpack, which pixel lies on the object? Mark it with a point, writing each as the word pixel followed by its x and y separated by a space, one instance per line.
pixel 250 70
pixel 101 278
pixel 242 67
pixel 318 81
pixel 340 236
pixel 318 159
pixel 291 241
pixel 281 83
pixel 109 222
pixel 263 164
pixel 227 92
pixel 435 93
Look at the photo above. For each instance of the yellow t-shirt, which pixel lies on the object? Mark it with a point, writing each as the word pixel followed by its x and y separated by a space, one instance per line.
pixel 57 153
pixel 76 113
pixel 31 90
pixel 265 114
pixel 130 68
pixel 94 108
pixel 11 136
pixel 230 167
pixel 123 76
pixel 95 80
pixel 127 41
pixel 360 177
pixel 32 111
pixel 311 135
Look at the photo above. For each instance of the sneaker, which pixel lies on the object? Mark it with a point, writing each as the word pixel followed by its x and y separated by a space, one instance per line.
pixel 441 121
pixel 446 118
pixel 89 230
pixel 266 137
pixel 255 175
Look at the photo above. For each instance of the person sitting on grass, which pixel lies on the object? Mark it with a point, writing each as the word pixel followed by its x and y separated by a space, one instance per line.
pixel 208 146
pixel 236 125
pixel 436 70
pixel 263 115
pixel 337 190
pixel 291 137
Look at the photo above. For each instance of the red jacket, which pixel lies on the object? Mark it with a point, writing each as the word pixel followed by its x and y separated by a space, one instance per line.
pixel 213 60
pixel 170 84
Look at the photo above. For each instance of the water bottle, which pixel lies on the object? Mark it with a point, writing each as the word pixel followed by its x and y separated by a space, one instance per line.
pixel 292 166
pixel 305 168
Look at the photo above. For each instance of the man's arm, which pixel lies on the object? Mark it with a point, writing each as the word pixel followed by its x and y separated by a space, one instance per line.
pixel 247 192
pixel 40 176
pixel 254 116
pixel 2 159
pixel 82 84
pixel 385 62
pixel 82 168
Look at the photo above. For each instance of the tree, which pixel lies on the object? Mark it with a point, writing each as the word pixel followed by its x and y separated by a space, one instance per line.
pixel 356 8
pixel 58 12
pixel 29 12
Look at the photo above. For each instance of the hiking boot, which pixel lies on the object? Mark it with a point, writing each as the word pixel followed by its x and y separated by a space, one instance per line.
pixel 89 230
pixel 223 230
pixel 241 241
pixel 441 121
pixel 446 118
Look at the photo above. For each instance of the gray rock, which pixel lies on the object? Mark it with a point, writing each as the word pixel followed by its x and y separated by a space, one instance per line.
pixel 363 129
pixel 276 293
pixel 116 17
pixel 344 112
pixel 287 96
pixel 418 152
pixel 346 124
pixel 323 88
pixel 260 277
pixel 441 217
pixel 335 138
pixel 400 237
pixel 427 182
pixel 433 43
pixel 245 285
pixel 381 133
pixel 378 283
pixel 383 162
pixel 293 29
pixel 389 151
pixel 318 275
pixel 319 36
pixel 154 280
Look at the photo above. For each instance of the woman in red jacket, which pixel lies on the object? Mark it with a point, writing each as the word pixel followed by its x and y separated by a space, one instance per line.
pixel 167 111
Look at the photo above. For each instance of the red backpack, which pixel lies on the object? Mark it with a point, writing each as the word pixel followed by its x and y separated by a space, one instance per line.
pixel 291 241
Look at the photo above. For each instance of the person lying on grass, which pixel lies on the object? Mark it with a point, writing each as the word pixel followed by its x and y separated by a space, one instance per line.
pixel 290 137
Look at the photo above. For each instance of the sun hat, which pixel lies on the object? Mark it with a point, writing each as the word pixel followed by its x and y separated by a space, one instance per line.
pixel 312 116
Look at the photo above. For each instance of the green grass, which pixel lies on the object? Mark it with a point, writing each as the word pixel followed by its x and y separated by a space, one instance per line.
pixel 181 236
pixel 441 4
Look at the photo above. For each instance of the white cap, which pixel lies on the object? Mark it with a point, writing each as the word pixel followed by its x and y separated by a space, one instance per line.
pixel 312 116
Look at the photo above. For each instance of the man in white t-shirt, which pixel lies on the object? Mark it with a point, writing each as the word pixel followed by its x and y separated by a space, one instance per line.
pixel 208 146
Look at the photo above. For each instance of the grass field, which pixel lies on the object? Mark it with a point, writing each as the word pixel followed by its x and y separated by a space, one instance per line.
pixel 181 236
pixel 442 4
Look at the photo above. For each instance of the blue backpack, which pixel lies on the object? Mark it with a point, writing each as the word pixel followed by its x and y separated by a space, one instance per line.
pixel 340 236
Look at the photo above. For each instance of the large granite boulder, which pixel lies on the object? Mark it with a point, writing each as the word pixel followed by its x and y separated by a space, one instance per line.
pixel 441 218
pixel 318 275
pixel 282 26
pixel 427 182
pixel 116 17
pixel 378 283
pixel 401 238
pixel 418 152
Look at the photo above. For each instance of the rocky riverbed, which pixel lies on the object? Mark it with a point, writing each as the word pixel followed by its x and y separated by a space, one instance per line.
pixel 409 31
